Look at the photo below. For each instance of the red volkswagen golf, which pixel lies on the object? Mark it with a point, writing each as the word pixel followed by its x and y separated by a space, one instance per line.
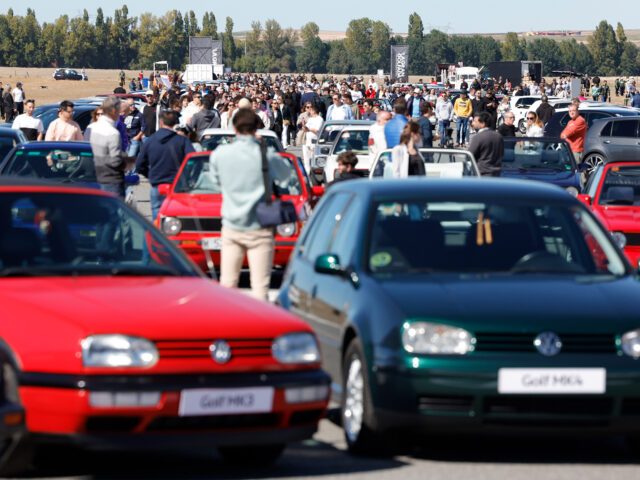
pixel 613 195
pixel 191 214
pixel 116 339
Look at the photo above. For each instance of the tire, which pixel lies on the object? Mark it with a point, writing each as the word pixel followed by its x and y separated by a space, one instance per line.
pixel 593 160
pixel 252 455
pixel 522 128
pixel 357 407
pixel 18 458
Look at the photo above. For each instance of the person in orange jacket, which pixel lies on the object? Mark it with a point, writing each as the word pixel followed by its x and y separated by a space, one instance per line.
pixel 575 132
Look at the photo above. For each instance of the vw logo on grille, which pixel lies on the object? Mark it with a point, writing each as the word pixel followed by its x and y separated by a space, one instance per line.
pixel 220 351
pixel 548 344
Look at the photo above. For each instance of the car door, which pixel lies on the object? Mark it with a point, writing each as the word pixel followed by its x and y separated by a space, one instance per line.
pixel 625 143
pixel 333 295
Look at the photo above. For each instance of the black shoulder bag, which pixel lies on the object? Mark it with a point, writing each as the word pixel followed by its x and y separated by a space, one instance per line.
pixel 272 213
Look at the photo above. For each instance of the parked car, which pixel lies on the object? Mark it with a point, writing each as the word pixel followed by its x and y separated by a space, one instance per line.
pixel 438 163
pixel 191 213
pixel 9 138
pixel 544 159
pixel 519 106
pixel 67 74
pixel 213 137
pixel 64 162
pixel 556 103
pixel 612 139
pixel 119 341
pixel 469 305
pixel 613 195
pixel 12 419
pixel 560 118
pixel 81 113
pixel 351 137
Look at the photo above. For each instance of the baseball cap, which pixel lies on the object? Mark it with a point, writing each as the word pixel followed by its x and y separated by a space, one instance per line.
pixel 19 84
pixel 463 92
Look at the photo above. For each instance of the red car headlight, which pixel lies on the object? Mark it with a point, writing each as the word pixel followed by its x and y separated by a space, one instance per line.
pixel 118 351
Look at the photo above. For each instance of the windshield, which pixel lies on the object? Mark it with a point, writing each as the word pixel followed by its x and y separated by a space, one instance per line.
pixel 621 186
pixel 418 236
pixel 212 141
pixel 48 116
pixel 354 140
pixel 537 154
pixel 7 142
pixel 448 164
pixel 68 164
pixel 196 179
pixel 73 234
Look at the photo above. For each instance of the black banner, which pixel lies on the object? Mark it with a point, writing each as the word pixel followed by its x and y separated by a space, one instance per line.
pixel 216 53
pixel 400 63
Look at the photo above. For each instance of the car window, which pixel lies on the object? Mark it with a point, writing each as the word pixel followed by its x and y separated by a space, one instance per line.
pixel 346 238
pixel 606 131
pixel 489 236
pixel 355 140
pixel 448 164
pixel 591 116
pixel 213 141
pixel 48 116
pixel 594 181
pixel 58 164
pixel 383 168
pixel 83 120
pixel 621 186
pixel 6 144
pixel 71 234
pixel 525 102
pixel 537 154
pixel 564 120
pixel 318 240
pixel 625 128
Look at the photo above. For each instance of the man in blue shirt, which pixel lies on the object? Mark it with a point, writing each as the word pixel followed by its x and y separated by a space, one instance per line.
pixel 635 99
pixel 394 127
pixel 413 105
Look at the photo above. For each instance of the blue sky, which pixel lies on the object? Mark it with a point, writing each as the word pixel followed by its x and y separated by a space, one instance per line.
pixel 462 16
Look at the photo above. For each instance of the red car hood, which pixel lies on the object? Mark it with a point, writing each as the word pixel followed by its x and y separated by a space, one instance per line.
pixel 44 319
pixel 204 205
pixel 619 219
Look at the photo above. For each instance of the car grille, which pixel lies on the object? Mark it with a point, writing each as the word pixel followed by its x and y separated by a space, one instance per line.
pixel 523 342
pixel 201 224
pixel 446 403
pixel 214 422
pixel 551 405
pixel 257 347
pixel 633 239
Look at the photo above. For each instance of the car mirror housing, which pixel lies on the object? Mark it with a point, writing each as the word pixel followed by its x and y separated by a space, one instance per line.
pixel 586 199
pixel 329 264
pixel 317 190
pixel 164 188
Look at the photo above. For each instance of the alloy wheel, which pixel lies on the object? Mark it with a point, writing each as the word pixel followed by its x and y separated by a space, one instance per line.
pixel 593 161
pixel 354 400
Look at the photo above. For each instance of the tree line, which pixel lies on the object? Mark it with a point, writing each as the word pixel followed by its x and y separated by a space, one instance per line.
pixel 122 41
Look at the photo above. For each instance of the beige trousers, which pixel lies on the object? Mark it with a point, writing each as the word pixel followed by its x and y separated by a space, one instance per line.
pixel 258 245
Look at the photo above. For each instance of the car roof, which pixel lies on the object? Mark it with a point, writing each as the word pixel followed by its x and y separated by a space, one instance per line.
pixel 40 145
pixel 9 183
pixel 348 122
pixel 9 132
pixel 463 189
pixel 230 131
pixel 601 108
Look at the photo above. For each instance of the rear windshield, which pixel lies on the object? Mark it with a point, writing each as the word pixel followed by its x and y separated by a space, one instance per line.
pixel 59 164
pixel 355 140
pixel 211 142
pixel 621 186
pixel 532 154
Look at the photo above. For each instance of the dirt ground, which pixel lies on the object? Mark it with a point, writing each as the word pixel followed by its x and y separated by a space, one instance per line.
pixel 39 84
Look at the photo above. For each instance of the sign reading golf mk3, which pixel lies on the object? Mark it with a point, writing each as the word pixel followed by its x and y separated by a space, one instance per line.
pixel 205 51
pixel 400 63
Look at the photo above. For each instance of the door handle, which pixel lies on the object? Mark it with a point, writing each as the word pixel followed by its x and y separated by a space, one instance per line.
pixel 607 141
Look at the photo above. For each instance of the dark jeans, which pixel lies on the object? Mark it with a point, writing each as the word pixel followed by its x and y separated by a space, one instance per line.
pixel 156 202
pixel 117 188
pixel 20 107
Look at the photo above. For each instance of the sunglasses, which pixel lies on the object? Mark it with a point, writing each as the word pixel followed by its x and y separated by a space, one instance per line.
pixel 531 118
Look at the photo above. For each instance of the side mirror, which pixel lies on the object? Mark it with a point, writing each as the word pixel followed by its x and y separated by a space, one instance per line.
pixel 131 179
pixel 325 150
pixel 164 188
pixel 586 199
pixel 329 264
pixel 583 167
pixel 317 190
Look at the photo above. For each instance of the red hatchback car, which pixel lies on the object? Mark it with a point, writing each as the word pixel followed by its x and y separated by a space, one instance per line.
pixel 116 339
pixel 191 213
pixel 613 195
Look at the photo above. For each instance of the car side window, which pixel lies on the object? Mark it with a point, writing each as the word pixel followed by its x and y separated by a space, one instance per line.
pixel 591 116
pixel 625 128
pixel 318 240
pixel 382 168
pixel 564 120
pixel 606 131
pixel 346 239
pixel 594 180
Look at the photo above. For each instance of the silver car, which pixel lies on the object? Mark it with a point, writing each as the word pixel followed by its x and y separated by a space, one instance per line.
pixel 612 139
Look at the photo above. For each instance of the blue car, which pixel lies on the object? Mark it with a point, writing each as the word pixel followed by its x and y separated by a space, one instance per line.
pixel 547 160
pixel 9 138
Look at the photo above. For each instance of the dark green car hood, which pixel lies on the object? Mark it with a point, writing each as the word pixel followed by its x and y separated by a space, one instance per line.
pixel 520 302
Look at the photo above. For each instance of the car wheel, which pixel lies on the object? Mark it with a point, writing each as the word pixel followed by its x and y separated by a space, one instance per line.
pixel 593 160
pixel 252 455
pixel 357 408
pixel 17 454
pixel 522 128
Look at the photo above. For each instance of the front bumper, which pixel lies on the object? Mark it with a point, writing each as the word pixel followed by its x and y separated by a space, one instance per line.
pixel 456 400
pixel 58 407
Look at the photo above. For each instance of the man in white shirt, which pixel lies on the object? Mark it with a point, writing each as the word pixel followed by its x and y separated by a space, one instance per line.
pixel 31 126
pixel 18 98
pixel 377 139
pixel 338 110
pixel 312 127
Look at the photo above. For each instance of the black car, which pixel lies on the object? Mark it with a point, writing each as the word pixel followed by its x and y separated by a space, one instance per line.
pixel 9 138
pixel 81 114
pixel 67 74
pixel 560 118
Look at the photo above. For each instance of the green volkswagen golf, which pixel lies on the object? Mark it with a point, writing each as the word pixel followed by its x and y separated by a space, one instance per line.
pixel 468 305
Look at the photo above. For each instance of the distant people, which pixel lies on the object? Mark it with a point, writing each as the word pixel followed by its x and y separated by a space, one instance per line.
pixel 545 111
pixel 575 132
pixel 426 128
pixel 121 75
pixel 95 116
pixel 207 117
pixel 18 98
pixel 508 129
pixel 444 115
pixel 347 162
pixel 377 139
pixel 135 125
pixel 406 159
pixel 368 114
pixel 7 104
pixel 119 90
pixel 31 127
pixel 132 85
pixel 311 128
pixel 338 110
pixel 635 99
pixel 605 92
pixel 393 129
pixel 595 91
pixel 534 125
pixel 63 128
pixel 149 111
pixel 414 102
pixel 463 108
pixel 487 146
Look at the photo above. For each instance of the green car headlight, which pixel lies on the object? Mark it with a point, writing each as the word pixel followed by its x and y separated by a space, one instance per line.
pixel 630 343
pixel 436 339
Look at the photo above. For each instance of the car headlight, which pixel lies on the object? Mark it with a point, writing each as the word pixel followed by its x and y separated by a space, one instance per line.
pixel 296 348
pixel 572 190
pixel 118 351
pixel 436 338
pixel 286 229
pixel 321 162
pixel 171 225
pixel 620 239
pixel 630 343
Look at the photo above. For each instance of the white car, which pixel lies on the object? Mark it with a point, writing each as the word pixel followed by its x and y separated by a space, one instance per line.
pixel 519 106
pixel 438 163
pixel 354 138
pixel 212 137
